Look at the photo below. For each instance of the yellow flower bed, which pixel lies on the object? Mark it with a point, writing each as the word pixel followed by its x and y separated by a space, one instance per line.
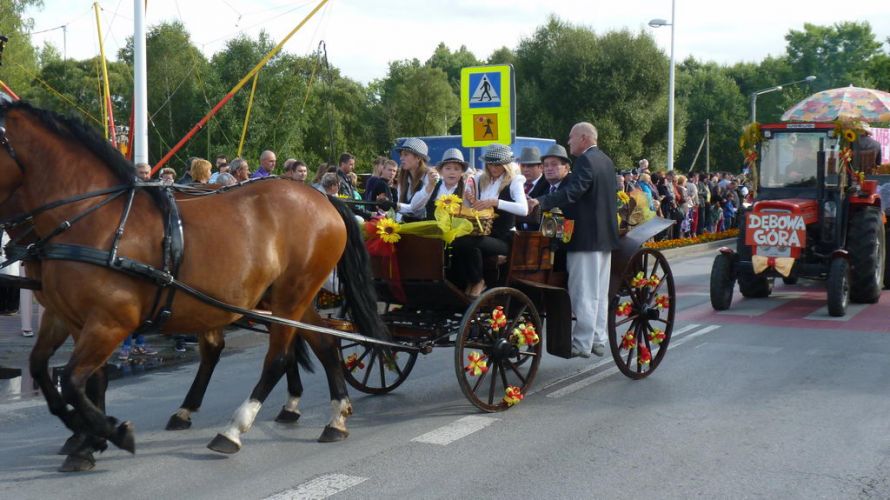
pixel 682 242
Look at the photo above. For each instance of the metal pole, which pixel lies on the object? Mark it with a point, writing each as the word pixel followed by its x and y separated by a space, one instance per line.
pixel 670 158
pixel 754 107
pixel 140 85
pixel 708 145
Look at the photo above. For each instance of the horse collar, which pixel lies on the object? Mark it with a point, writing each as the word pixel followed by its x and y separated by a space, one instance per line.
pixel 4 141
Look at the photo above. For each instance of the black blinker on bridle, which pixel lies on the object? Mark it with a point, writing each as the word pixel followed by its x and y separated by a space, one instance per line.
pixel 4 141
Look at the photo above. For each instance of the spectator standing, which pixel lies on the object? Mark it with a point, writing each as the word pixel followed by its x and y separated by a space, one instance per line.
pixel 267 165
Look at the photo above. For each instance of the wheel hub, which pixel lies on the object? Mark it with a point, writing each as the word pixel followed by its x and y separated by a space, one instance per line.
pixel 652 313
pixel 502 349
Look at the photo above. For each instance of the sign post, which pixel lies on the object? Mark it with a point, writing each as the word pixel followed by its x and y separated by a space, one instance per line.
pixel 487 105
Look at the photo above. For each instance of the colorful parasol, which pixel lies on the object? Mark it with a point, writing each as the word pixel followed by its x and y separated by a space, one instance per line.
pixel 853 103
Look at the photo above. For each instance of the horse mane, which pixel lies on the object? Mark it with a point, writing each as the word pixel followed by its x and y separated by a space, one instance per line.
pixel 76 130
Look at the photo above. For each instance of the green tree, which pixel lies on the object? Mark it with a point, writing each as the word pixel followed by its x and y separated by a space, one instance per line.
pixel 502 55
pixel 19 57
pixel 452 62
pixel 617 81
pixel 839 55
pixel 416 100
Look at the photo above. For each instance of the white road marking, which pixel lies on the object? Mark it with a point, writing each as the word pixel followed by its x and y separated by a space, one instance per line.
pixel 822 313
pixel 598 364
pixel 455 430
pixel 576 386
pixel 320 487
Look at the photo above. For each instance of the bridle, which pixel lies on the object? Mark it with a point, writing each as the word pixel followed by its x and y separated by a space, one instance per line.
pixel 4 141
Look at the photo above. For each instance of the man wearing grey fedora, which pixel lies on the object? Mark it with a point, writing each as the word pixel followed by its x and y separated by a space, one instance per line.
pixel 589 196
pixel 535 185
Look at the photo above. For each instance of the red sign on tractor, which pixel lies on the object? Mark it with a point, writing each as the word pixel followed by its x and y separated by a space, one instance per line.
pixel 775 230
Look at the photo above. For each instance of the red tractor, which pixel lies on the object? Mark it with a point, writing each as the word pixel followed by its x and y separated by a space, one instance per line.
pixel 813 218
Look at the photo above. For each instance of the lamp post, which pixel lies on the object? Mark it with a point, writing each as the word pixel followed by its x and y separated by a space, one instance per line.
pixel 657 23
pixel 777 88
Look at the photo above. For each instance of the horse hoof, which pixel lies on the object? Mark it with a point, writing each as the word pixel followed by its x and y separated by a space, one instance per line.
pixel 177 423
pixel 124 437
pixel 287 417
pixel 78 462
pixel 74 443
pixel 222 444
pixel 332 434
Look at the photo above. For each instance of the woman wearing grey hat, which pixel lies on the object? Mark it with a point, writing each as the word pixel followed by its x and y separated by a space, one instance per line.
pixel 496 187
pixel 416 180
pixel 451 171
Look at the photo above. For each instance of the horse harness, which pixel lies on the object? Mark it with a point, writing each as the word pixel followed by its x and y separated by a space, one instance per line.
pixel 164 278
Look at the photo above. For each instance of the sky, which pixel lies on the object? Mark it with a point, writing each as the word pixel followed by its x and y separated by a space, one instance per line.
pixel 363 36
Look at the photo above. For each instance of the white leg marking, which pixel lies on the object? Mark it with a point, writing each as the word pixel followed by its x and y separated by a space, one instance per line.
pixel 292 403
pixel 243 419
pixel 341 409
pixel 184 413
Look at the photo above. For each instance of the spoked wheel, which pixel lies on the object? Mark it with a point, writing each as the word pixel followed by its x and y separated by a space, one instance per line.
pixel 498 349
pixel 641 314
pixel 374 369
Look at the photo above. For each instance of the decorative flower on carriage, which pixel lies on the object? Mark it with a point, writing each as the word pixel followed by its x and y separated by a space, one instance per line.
pixel 389 361
pixel 525 335
pixel 352 362
pixel 644 355
pixel 639 281
pixel 388 230
pixel 624 309
pixel 654 280
pixel 450 203
pixel 656 336
pixel 513 395
pixel 662 301
pixel 498 319
pixel 478 364
pixel 627 340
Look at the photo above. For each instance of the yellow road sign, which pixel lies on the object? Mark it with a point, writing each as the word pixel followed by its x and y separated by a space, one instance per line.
pixel 488 109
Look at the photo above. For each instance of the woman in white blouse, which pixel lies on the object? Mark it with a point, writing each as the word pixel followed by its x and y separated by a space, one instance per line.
pixel 499 188
pixel 416 181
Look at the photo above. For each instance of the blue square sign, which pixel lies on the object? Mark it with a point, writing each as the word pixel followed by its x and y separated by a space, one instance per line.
pixel 485 90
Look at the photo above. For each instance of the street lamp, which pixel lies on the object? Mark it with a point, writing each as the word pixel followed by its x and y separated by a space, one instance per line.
pixel 657 23
pixel 777 88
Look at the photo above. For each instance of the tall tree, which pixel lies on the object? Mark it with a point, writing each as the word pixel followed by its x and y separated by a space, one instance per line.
pixel 20 57
pixel 838 55
pixel 417 100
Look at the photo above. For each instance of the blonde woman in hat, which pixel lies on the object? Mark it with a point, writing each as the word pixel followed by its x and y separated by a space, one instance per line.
pixel 499 188
pixel 416 180
pixel 451 181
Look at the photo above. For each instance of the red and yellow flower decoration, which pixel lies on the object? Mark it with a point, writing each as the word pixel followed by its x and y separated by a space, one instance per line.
pixel 656 336
pixel 352 362
pixel 643 354
pixel 654 280
pixel 624 309
pixel 627 340
pixel 498 319
pixel 513 395
pixel 525 335
pixel 639 281
pixel 478 364
pixel 662 301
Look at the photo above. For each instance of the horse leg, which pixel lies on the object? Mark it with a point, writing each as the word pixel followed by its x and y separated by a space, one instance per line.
pixel 280 339
pixel 90 354
pixel 290 412
pixel 211 344
pixel 325 348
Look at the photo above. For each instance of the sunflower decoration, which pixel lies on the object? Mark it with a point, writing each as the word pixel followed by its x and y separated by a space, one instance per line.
pixel 388 230
pixel 450 203
pixel 513 395
pixel 849 135
pixel 751 137
pixel 623 199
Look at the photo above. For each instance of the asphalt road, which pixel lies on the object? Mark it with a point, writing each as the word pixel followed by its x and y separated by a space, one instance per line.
pixel 771 399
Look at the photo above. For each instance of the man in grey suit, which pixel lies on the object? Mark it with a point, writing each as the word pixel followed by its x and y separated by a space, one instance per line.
pixel 590 197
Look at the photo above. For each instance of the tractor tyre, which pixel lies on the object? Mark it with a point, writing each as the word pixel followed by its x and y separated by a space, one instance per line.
pixel 865 244
pixel 791 280
pixel 838 286
pixel 722 282
pixel 754 286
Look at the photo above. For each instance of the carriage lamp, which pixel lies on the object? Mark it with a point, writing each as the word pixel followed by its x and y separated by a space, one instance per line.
pixel 553 224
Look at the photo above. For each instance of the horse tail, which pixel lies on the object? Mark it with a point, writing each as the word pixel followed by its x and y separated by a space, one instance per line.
pixel 354 270
pixel 301 354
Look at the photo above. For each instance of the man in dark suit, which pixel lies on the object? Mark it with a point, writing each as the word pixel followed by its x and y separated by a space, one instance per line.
pixel 590 198
pixel 535 185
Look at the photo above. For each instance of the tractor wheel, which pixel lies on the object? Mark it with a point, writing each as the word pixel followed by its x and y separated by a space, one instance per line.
pixel 838 286
pixel 754 286
pixel 722 282
pixel 865 244
pixel 791 280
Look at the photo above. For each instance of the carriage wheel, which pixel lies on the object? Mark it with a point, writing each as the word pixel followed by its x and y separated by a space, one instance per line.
pixel 498 349
pixel 373 369
pixel 641 314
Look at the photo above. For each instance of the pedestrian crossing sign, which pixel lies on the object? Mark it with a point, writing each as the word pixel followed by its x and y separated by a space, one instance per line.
pixel 488 108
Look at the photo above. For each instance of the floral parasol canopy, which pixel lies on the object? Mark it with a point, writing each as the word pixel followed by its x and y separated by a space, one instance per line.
pixel 845 103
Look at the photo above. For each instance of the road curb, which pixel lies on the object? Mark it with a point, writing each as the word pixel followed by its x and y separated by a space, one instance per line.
pixel 698 249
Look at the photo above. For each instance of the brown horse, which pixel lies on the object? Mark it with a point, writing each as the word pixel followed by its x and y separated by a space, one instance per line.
pixel 254 233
